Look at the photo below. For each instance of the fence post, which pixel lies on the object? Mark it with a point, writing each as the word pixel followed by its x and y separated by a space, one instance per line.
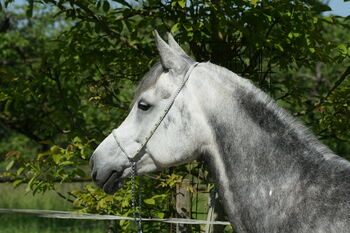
pixel 183 204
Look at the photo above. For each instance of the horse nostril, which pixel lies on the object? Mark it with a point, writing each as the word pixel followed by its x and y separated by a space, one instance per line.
pixel 94 175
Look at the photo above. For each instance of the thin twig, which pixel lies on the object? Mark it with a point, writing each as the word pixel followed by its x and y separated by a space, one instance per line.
pixel 339 81
pixel 321 101
pixel 64 197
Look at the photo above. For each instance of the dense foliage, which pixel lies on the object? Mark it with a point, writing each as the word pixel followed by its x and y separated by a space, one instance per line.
pixel 68 69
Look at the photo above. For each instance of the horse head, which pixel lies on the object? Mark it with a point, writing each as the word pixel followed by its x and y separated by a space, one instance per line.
pixel 164 128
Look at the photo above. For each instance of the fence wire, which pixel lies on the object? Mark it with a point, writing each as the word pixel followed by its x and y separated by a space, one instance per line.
pixel 85 216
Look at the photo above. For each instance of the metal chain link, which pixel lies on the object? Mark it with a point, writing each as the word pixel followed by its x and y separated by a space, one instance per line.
pixel 133 192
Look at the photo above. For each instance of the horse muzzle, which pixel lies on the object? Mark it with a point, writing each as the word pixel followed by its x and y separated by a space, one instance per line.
pixel 105 177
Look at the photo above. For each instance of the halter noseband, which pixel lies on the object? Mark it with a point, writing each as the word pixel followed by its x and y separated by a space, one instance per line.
pixel 138 153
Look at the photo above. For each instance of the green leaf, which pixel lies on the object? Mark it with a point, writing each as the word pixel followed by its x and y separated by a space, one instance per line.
pixel 10 165
pixel 160 196
pixel 278 46
pixel 328 19
pixel 55 149
pixel 76 140
pixel 269 17
pixel 56 158
pixel 321 8
pixel 18 182
pixel 38 186
pixel 188 26
pixel 80 172
pixel 182 3
pixel 66 163
pixel 342 49
pixel 30 183
pixel 254 2
pixel 150 201
pixel 175 28
pixel 43 154
pixel 29 11
pixel 106 6
pixel 122 222
pixel 20 170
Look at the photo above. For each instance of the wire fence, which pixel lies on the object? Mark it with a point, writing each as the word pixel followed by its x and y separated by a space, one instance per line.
pixel 87 216
pixel 193 209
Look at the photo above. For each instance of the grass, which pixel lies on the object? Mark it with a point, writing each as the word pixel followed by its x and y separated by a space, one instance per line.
pixel 17 223
pixel 17 198
pixel 11 198
pixel 31 224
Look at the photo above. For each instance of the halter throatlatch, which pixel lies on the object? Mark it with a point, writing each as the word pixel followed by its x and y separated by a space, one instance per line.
pixel 133 159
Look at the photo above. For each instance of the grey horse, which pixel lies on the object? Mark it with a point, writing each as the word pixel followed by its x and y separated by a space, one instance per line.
pixel 272 174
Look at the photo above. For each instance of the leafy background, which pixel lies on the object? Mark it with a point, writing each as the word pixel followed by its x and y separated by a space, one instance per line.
pixel 68 69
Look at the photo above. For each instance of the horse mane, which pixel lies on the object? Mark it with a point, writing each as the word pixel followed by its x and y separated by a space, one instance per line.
pixel 261 98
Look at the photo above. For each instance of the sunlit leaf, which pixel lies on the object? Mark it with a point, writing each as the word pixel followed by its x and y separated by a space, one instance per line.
pixel 182 3
pixel 10 165
pixel 343 49
pixel 174 28
pixel 150 201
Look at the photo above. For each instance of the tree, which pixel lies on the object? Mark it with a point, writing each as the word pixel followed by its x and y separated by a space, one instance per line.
pixel 68 70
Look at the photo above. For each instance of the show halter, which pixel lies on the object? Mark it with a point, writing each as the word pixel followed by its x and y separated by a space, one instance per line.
pixel 133 159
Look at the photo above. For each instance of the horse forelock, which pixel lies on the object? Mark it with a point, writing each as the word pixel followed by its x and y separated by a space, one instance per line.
pixel 151 77
pixel 148 80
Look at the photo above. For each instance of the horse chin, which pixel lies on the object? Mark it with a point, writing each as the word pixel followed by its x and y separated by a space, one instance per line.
pixel 113 184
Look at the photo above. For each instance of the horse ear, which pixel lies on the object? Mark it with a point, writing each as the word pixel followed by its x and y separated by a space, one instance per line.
pixel 174 45
pixel 169 58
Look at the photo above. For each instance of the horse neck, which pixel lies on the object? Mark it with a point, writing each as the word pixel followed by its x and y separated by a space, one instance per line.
pixel 259 154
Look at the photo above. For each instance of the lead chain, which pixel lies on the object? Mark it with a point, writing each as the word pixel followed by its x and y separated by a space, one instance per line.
pixel 133 192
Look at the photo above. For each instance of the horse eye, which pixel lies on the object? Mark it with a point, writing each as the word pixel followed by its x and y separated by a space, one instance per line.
pixel 143 105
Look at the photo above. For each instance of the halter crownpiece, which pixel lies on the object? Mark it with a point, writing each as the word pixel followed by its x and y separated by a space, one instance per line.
pixel 138 153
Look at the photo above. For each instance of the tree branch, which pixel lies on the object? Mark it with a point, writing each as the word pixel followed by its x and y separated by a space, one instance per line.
pixel 322 100
pixel 338 82
pixel 96 20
